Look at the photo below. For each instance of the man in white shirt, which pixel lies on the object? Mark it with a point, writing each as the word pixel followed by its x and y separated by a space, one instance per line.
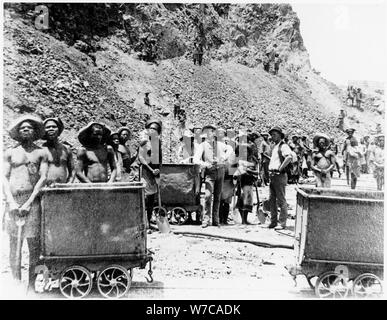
pixel 280 157
pixel 211 156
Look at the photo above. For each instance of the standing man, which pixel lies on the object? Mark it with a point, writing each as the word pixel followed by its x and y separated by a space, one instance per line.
pixel 347 143
pixel 25 171
pixel 277 62
pixel 341 119
pixel 150 159
pixel 60 157
pixel 94 156
pixel 210 155
pixel 265 157
pixel 323 161
pixel 124 135
pixel 377 160
pixel 358 98
pixel 281 156
pixel 176 105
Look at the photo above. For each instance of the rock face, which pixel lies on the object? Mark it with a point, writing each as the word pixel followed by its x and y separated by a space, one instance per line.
pixel 85 67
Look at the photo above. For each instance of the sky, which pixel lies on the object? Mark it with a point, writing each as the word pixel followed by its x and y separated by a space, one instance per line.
pixel 345 40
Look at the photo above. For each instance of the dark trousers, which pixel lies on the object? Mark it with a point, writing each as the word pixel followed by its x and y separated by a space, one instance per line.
pixel 277 198
pixel 214 184
pixel 353 181
pixel 149 205
pixel 33 249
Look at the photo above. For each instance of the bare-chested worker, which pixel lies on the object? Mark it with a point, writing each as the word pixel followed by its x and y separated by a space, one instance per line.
pixel 95 155
pixel 25 170
pixel 60 157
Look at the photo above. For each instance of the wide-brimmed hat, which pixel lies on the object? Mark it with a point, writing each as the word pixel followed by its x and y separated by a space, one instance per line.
pixel 350 130
pixel 265 134
pixel 123 129
pixel 84 133
pixel 278 129
pixel 209 126
pixel 36 122
pixel 58 122
pixel 154 121
pixel 318 136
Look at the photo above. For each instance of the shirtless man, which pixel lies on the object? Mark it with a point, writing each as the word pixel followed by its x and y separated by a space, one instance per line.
pixel 323 161
pixel 94 156
pixel 60 158
pixel 25 171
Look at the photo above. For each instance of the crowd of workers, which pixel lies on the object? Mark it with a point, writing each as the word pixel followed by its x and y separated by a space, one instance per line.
pixel 231 163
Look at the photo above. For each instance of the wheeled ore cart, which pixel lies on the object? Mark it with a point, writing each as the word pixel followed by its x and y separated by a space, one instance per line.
pixel 180 191
pixel 93 233
pixel 339 237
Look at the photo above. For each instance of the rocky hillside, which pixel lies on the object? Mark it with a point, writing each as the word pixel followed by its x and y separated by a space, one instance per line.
pixel 86 67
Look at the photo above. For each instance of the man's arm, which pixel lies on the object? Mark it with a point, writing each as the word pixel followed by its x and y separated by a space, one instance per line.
pixel 43 169
pixel 6 187
pixel 81 165
pixel 112 163
pixel 70 166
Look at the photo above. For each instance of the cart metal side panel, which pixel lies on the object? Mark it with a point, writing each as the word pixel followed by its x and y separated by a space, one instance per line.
pixel 344 226
pixel 180 184
pixel 98 220
pixel 300 227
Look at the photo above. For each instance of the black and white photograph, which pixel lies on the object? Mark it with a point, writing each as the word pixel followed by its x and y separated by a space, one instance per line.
pixel 193 151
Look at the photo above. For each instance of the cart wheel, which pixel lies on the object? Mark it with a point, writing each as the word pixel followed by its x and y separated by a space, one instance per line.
pixel 114 282
pixel 312 280
pixel 367 285
pixel 331 285
pixel 75 282
pixel 180 215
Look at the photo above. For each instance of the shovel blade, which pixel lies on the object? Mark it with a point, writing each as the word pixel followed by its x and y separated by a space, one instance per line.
pixel 163 224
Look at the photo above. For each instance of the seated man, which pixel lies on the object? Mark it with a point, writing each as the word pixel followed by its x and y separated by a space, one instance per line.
pixel 60 157
pixel 94 156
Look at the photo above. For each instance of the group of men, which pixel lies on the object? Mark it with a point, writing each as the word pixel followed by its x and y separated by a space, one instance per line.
pixel 355 96
pixel 231 164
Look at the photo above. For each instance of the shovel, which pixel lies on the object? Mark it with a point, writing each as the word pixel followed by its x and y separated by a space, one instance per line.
pixel 161 220
pixel 19 223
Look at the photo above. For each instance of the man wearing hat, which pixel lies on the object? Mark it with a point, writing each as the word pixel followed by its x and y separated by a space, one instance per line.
pixel 60 157
pixel 323 161
pixel 25 171
pixel 281 156
pixel 265 157
pixel 150 159
pixel 94 156
pixel 347 144
pixel 210 155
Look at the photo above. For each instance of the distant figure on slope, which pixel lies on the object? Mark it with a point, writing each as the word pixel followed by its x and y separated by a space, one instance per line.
pixel 341 119
pixel 377 160
pixel 176 105
pixel 323 161
pixel 198 54
pixel 266 63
